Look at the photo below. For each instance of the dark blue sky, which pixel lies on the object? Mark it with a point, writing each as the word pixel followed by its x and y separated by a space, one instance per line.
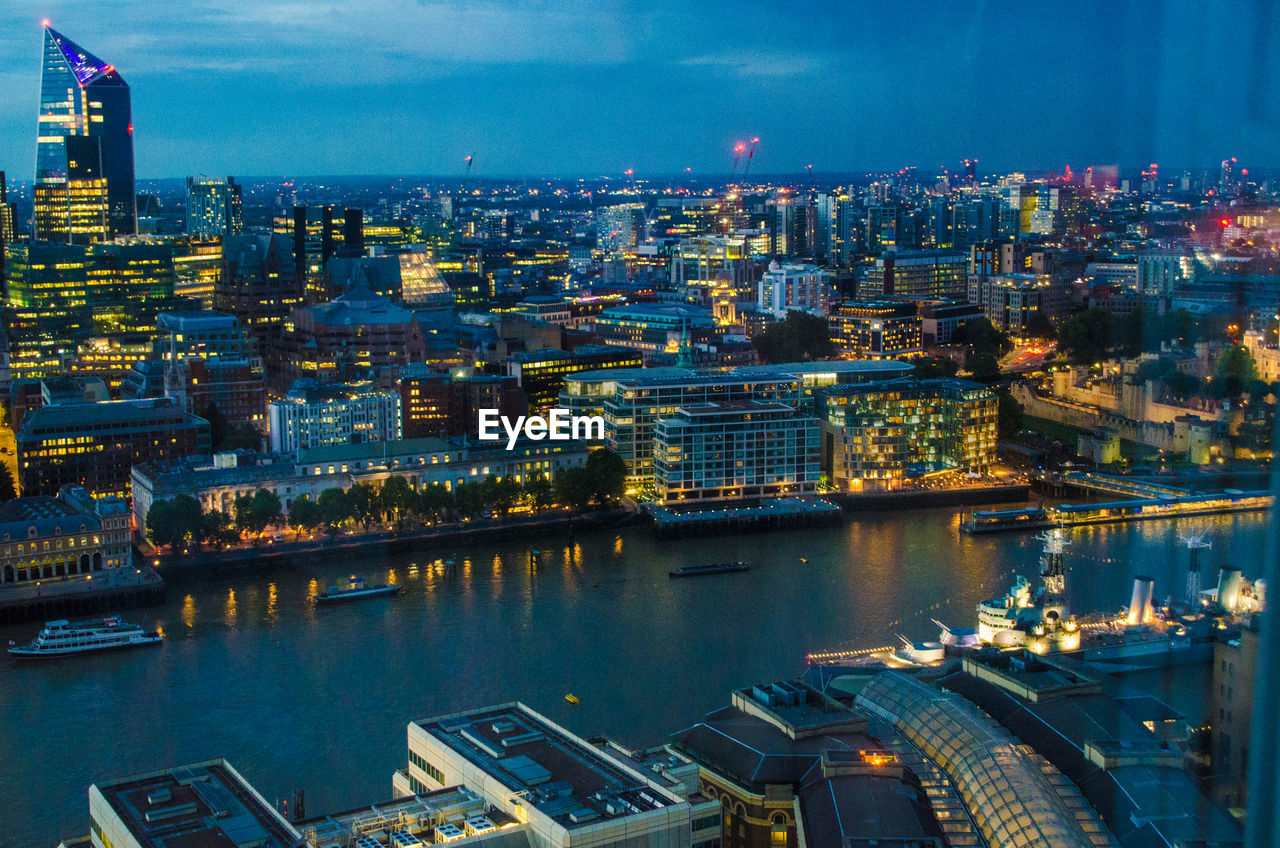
pixel 255 87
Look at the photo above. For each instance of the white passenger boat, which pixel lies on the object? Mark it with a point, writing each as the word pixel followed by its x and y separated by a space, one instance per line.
pixel 63 638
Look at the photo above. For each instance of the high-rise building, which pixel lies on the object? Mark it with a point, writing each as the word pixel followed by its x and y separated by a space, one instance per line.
pixel 875 329
pixel 213 207
pixel 619 228
pixel 787 286
pixel 8 225
pixel 86 99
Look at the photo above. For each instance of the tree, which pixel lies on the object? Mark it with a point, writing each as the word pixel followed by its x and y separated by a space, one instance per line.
pixel 979 335
pixel 8 490
pixel 363 501
pixel 433 501
pixel 606 475
pixel 335 508
pixel 217 527
pixel 1010 417
pixel 266 509
pixel 928 367
pixel 1234 373
pixel 174 522
pixel 798 336
pixel 395 497
pixel 573 486
pixel 983 367
pixel 1086 336
pixel 304 515
pixel 538 491
pixel 1039 327
pixel 468 498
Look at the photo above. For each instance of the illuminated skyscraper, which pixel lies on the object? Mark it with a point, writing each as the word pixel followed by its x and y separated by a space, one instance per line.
pixel 79 183
pixel 213 207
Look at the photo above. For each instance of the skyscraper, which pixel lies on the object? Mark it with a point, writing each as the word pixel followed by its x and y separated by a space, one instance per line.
pixel 82 96
pixel 213 207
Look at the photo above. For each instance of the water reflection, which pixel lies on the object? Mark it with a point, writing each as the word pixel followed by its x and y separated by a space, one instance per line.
pixel 189 611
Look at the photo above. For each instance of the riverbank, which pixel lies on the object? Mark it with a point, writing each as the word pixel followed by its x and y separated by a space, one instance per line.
pixel 382 543
pixel 929 498
pixel 80 596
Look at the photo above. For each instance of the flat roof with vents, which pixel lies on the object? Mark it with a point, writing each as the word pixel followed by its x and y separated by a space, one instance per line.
pixel 204 805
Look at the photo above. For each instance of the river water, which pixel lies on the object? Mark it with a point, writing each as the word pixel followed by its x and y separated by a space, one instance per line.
pixel 299 697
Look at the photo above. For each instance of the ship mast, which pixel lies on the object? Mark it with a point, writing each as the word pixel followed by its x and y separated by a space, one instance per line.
pixel 1051 570
pixel 1195 544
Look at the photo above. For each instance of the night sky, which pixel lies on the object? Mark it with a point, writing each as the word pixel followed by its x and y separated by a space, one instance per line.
pixel 254 87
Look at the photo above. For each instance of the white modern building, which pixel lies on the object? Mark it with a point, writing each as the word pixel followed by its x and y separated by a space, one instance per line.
pixel 564 790
pixel 788 286
pixel 341 414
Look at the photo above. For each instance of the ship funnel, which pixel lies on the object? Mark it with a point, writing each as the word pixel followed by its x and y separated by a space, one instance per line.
pixel 1229 588
pixel 1140 603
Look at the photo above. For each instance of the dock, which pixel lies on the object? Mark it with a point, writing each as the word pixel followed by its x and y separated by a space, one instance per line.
pixel 81 596
pixel 1112 512
pixel 777 514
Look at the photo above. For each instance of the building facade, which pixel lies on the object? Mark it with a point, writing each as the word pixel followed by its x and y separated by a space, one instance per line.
pixel 52 538
pixel 876 329
pixel 312 416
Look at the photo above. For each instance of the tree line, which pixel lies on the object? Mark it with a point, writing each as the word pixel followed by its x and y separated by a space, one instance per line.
pixel 181 522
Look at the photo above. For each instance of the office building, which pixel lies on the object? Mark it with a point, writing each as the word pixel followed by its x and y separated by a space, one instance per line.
pixel 566 790
pixel 916 273
pixel 939 319
pixel 359 336
pixel 53 538
pixel 1011 301
pixel 257 283
pixel 201 804
pixel 541 374
pixel 733 451
pixel 318 234
pixel 408 276
pixel 878 435
pixel 876 329
pixel 197 265
pixel 314 415
pixel 633 400
pixel 787 286
pixel 434 403
pixel 84 186
pixel 95 444
pixel 1231 699
pixel 202 334
pixel 652 327
pixel 213 207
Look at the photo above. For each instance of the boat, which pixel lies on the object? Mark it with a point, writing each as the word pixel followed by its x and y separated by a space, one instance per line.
pixel 64 638
pixel 716 568
pixel 572 698
pixel 356 588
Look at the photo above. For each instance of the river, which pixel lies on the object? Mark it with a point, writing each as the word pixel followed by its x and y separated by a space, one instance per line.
pixel 318 698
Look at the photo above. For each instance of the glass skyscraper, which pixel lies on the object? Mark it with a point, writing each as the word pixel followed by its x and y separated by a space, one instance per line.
pixel 84 189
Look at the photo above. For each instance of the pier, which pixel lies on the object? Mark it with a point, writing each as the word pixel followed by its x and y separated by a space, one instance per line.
pixel 82 596
pixel 778 514
pixel 1110 512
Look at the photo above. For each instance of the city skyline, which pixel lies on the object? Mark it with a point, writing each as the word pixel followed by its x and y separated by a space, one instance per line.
pixel 558 89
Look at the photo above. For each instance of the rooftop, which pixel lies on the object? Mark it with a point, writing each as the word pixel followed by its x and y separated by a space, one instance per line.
pixel 204 805
pixel 560 775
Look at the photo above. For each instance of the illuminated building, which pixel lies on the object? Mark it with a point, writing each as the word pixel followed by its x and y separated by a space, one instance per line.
pixel 552 310
pixel 213 207
pixel 564 790
pixel 433 403
pixel 408 276
pixel 875 329
pixel 197 265
pixel 86 99
pixel 651 327
pixel 632 400
pixel 358 336
pixel 1161 271
pixel 313 415
pixel 940 318
pixel 216 481
pixel 1011 300
pixel 791 766
pixel 876 435
pixel 8 226
pixel 541 374
pixel 917 273
pixel 733 450
pixel 95 444
pixel 700 259
pixel 318 236
pixel 787 286
pixel 109 358
pixel 619 228
pixel 52 538
pixel 257 283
